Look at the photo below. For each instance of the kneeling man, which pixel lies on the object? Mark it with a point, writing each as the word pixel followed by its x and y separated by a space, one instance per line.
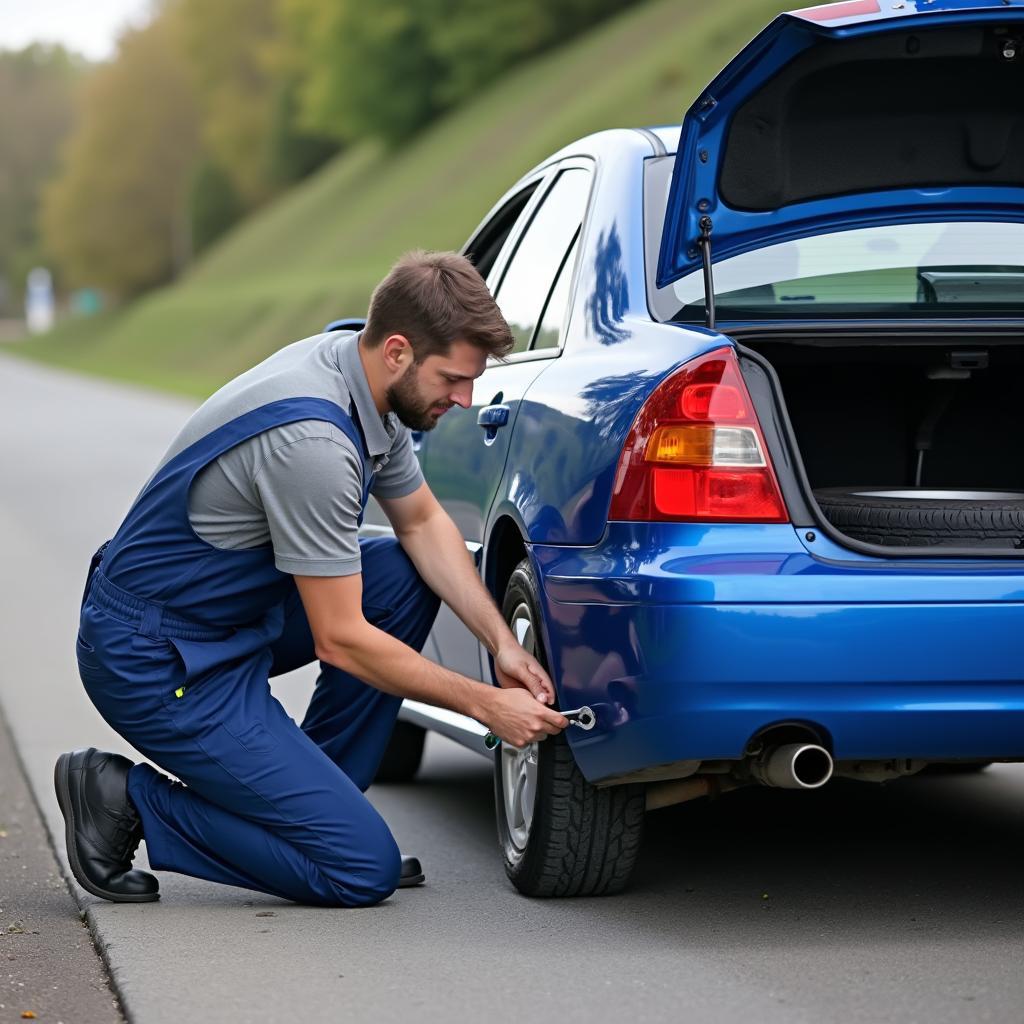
pixel 240 560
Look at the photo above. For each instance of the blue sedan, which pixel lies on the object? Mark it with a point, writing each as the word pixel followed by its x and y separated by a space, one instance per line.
pixel 749 483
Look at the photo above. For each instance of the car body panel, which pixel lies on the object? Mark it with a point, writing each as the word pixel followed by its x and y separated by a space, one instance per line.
pixel 692 638
pixel 696 190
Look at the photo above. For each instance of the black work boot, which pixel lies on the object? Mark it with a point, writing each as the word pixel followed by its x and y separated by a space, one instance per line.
pixel 101 825
pixel 412 873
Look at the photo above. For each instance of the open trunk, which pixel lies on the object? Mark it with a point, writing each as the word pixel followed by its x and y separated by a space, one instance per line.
pixel 908 442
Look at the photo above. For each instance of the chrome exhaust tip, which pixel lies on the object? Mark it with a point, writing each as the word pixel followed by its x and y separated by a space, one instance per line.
pixel 794 766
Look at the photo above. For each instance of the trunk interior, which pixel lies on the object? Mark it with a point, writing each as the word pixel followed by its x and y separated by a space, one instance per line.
pixel 918 415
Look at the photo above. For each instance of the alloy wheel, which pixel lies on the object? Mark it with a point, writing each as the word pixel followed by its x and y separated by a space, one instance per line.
pixel 519 764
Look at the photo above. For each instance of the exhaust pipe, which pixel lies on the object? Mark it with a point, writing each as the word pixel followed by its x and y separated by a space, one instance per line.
pixel 794 766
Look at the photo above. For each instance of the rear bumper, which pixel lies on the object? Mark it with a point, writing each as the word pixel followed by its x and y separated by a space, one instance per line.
pixel 690 640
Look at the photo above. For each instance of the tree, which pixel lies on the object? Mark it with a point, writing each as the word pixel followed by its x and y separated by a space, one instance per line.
pixel 115 215
pixel 213 205
pixel 239 68
pixel 37 84
pixel 365 70
pixel 291 152
pixel 386 69
pixel 227 47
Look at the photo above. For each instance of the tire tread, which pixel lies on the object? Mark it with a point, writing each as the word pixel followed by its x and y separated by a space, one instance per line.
pixel 924 523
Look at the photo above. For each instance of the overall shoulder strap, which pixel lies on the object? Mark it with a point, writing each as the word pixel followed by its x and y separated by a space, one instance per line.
pixel 266 417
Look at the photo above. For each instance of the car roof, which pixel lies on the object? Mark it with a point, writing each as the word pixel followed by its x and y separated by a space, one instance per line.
pixel 613 142
pixel 668 134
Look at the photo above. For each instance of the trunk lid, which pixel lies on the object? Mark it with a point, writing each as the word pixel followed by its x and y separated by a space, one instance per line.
pixel 853 115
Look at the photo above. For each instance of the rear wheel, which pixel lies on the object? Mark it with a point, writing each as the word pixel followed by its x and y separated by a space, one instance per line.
pixel 560 836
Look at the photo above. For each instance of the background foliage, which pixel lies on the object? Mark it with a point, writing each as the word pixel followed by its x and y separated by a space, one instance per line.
pixel 315 253
pixel 214 109
pixel 36 115
pixel 113 216
pixel 385 69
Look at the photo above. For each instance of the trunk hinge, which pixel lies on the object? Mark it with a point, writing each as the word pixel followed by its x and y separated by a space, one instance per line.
pixel 709 284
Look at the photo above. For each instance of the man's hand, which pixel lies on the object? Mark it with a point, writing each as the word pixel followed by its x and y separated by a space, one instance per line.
pixel 515 666
pixel 519 718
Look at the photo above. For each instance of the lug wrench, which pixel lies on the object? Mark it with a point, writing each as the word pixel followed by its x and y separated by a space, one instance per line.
pixel 584 718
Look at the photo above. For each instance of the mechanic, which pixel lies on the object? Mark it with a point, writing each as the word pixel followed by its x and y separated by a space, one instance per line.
pixel 240 560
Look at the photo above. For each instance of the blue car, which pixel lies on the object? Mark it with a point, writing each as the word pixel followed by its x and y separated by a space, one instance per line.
pixel 749 483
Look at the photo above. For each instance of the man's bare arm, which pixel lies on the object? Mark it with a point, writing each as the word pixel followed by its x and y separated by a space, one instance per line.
pixel 436 547
pixel 344 638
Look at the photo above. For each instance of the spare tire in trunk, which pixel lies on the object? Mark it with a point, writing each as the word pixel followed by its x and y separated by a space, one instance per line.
pixel 925 517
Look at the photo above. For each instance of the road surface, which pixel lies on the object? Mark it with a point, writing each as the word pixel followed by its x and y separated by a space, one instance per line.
pixel 854 903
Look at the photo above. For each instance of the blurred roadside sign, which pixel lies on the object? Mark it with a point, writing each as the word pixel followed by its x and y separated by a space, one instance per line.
pixel 39 304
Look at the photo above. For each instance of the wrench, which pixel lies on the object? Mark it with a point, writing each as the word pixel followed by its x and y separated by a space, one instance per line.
pixel 584 718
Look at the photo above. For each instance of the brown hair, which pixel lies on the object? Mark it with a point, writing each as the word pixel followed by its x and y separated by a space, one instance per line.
pixel 433 299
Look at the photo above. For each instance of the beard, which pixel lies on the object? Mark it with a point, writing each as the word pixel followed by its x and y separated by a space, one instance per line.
pixel 411 408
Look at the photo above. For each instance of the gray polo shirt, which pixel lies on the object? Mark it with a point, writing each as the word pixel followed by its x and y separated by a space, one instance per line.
pixel 297 487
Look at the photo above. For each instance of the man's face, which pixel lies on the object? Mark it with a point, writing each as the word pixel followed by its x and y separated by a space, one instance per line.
pixel 427 390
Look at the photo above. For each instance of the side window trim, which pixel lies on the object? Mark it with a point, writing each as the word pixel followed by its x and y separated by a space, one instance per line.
pixel 523 225
pixel 490 238
pixel 543 181
pixel 572 251
pixel 512 243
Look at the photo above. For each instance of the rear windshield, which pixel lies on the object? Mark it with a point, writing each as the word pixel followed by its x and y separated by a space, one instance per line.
pixel 913 270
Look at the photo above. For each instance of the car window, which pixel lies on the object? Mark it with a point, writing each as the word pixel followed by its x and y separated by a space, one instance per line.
pixel 550 330
pixel 936 269
pixel 484 249
pixel 540 253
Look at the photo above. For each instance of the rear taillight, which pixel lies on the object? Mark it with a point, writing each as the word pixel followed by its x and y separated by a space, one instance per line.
pixel 696 452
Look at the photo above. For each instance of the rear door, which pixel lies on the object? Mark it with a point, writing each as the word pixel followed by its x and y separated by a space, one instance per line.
pixel 465 455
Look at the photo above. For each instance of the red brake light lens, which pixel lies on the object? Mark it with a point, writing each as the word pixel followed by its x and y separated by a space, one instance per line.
pixel 696 452
pixel 712 402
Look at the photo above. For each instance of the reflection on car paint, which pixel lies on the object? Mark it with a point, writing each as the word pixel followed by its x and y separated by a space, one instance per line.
pixel 608 302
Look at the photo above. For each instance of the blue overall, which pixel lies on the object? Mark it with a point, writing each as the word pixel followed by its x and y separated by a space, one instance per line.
pixel 177 642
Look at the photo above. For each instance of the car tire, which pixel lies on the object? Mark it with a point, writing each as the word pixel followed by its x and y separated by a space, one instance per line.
pixel 576 839
pixel 922 517
pixel 403 754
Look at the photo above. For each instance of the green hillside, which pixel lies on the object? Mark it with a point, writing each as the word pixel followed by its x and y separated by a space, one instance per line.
pixel 316 253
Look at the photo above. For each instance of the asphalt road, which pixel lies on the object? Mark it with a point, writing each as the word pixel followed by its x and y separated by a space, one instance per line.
pixel 855 903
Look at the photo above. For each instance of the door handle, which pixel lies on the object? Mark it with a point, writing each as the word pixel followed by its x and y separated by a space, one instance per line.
pixel 492 418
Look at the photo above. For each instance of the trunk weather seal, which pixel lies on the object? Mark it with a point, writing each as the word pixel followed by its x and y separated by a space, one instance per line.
pixel 787 436
pixel 870 330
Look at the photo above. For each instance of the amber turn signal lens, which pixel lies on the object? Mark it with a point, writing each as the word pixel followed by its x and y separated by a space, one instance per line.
pixel 693 445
